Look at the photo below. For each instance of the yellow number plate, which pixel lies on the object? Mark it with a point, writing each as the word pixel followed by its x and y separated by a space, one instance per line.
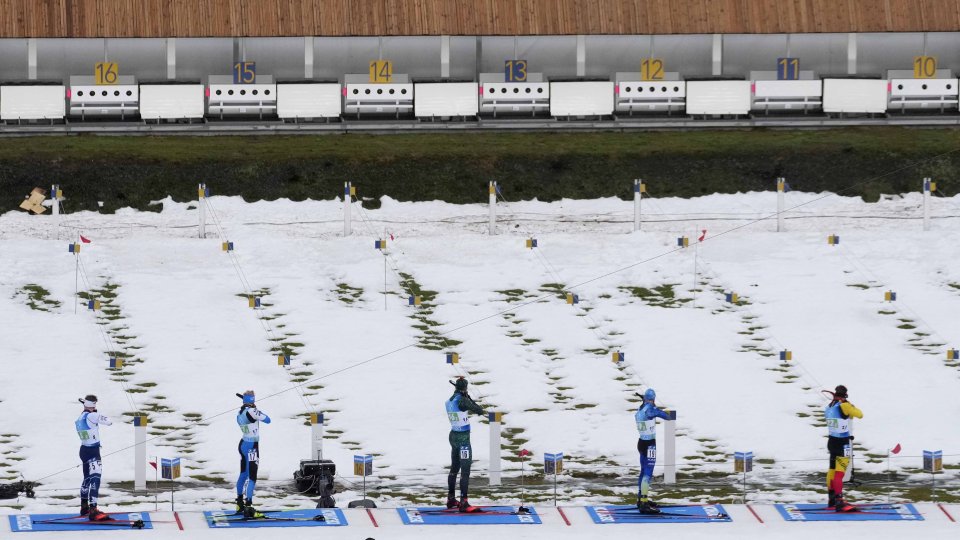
pixel 106 72
pixel 924 67
pixel 651 69
pixel 381 71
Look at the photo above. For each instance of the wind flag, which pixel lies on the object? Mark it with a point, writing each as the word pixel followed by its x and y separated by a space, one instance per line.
pixel 896 449
pixel 84 239
pixel 702 236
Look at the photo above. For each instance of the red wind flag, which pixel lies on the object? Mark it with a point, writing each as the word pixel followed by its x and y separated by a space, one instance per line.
pixel 84 239
pixel 153 464
pixel 702 236
pixel 896 449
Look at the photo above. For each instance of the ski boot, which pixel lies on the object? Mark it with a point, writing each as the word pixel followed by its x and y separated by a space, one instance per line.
pixel 844 506
pixel 97 515
pixel 466 507
pixel 84 508
pixel 240 504
pixel 646 507
pixel 831 500
pixel 249 512
pixel 452 503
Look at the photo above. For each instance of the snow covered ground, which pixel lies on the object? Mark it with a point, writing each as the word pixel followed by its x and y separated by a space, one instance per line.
pixel 376 366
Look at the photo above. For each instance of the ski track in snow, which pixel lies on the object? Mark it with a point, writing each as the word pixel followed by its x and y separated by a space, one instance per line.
pixel 359 355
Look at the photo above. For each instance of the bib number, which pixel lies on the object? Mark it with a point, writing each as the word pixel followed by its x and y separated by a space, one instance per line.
pixel 95 466
pixel 253 457
pixel 652 453
pixel 464 452
pixel 847 450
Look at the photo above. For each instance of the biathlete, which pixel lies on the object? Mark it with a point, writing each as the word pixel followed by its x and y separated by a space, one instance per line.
pixel 249 418
pixel 88 428
pixel 458 408
pixel 839 444
pixel 646 417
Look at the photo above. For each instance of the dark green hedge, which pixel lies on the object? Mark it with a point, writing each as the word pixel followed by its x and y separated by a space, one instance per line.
pixel 132 171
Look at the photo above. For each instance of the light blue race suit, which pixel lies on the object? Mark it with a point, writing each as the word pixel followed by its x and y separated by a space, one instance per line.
pixel 646 417
pixel 249 419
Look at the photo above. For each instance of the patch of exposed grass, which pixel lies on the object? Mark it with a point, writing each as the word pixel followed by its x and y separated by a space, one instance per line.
pixel 37 298
pixel 348 294
pixel 660 296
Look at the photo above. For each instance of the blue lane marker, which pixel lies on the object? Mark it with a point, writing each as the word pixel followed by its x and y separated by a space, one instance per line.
pixel 226 519
pixel 493 515
pixel 692 513
pixel 869 512
pixel 28 522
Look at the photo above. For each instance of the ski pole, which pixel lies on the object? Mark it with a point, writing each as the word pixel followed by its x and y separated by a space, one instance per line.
pixel 522 509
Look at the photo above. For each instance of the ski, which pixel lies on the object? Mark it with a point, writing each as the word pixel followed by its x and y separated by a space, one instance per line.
pixel 474 510
pixel 318 517
pixel 877 511
pixel 134 524
pixel 668 515
pixel 84 516
pixel 859 507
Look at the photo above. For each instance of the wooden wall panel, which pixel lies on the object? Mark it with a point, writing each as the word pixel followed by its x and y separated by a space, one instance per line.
pixel 226 18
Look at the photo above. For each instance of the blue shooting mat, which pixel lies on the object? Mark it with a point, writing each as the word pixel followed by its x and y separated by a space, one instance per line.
pixel 686 513
pixel 226 519
pixel 56 522
pixel 492 515
pixel 868 512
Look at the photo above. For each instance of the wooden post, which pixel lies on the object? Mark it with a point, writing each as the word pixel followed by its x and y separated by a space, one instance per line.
pixel 316 435
pixel 202 207
pixel 493 208
pixel 347 200
pixel 140 453
pixel 670 449
pixel 781 186
pixel 638 189
pixel 495 468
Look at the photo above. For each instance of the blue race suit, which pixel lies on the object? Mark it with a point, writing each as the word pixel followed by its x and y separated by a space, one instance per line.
pixel 88 429
pixel 646 417
pixel 249 419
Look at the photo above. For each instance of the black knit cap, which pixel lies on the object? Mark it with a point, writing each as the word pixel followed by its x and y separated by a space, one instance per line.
pixel 840 391
pixel 461 384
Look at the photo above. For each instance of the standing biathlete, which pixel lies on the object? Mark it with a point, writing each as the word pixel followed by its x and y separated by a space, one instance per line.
pixel 839 443
pixel 646 417
pixel 458 407
pixel 88 428
pixel 249 418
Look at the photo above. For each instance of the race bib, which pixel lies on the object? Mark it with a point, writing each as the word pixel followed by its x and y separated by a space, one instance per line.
pixel 652 453
pixel 95 466
pixel 253 457
pixel 847 450
pixel 464 452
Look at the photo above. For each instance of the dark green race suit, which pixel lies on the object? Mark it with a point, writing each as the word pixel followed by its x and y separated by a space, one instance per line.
pixel 461 453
